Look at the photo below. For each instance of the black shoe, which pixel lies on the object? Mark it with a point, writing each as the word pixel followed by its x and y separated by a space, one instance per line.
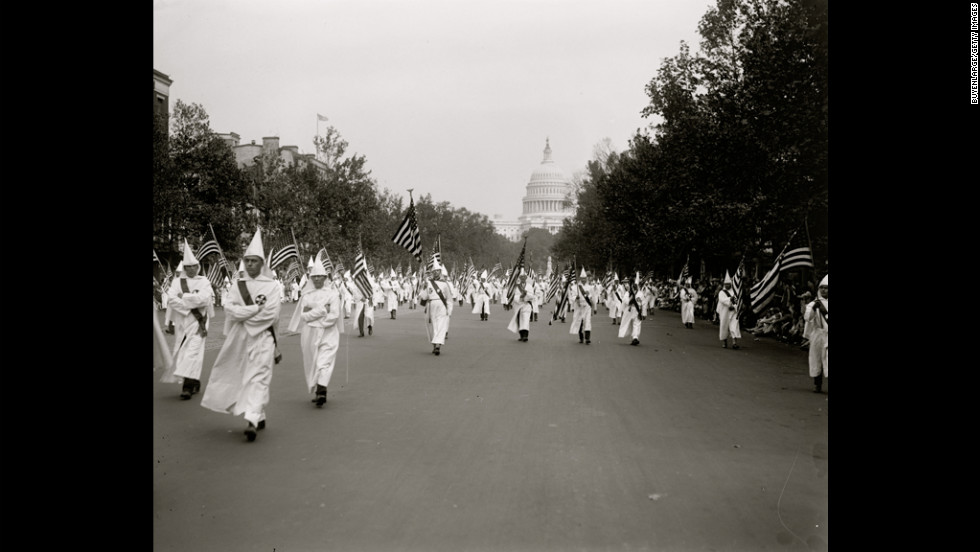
pixel 435 350
pixel 185 395
pixel 735 346
pixel 724 344
pixel 635 342
pixel 261 425
pixel 250 432
pixel 370 330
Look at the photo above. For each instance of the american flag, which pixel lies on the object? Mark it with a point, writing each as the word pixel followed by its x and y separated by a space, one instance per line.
pixel 209 247
pixel 554 286
pixel 496 268
pixel 215 275
pixel 516 273
pixel 435 259
pixel 795 258
pixel 282 252
pixel 469 275
pixel 765 289
pixel 323 258
pixel 294 271
pixel 407 234
pixel 737 286
pixel 360 276
pixel 685 273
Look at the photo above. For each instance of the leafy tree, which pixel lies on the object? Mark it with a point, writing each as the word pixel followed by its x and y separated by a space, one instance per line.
pixel 196 183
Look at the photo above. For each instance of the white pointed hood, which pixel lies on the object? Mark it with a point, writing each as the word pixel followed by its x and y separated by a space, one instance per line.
pixel 189 258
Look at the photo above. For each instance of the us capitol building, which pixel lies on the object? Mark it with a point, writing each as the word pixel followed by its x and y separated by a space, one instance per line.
pixel 548 193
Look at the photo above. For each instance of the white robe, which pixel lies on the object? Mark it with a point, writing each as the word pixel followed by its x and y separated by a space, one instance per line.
pixel 391 296
pixel 319 333
pixel 817 335
pixel 481 298
pixel 688 298
pixel 582 315
pixel 727 321
pixel 240 378
pixel 189 343
pixel 437 312
pixel 522 316
pixel 631 318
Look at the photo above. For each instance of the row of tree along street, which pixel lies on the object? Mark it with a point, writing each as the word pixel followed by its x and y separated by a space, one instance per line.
pixel 736 165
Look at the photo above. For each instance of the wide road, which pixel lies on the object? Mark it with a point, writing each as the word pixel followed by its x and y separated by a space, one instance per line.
pixel 497 445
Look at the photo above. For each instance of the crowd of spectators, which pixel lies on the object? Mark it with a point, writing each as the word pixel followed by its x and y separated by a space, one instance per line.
pixel 781 320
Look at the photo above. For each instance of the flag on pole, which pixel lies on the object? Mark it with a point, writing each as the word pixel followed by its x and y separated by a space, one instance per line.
pixel 496 268
pixel 361 276
pixel 765 289
pixel 155 258
pixel 209 247
pixel 737 287
pixel 294 271
pixel 320 117
pixel 282 252
pixel 795 258
pixel 323 258
pixel 407 234
pixel 515 274
pixel 435 258
pixel 214 275
pixel 685 273
pixel 569 279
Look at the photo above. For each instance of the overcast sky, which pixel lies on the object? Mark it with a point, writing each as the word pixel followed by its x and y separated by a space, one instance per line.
pixel 451 98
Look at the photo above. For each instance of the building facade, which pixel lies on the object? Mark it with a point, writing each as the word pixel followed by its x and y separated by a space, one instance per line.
pixel 161 93
pixel 547 201
pixel 246 154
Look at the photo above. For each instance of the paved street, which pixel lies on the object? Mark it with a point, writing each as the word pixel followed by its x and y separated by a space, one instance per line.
pixel 498 445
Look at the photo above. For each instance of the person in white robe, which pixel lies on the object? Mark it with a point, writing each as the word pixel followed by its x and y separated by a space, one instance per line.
pixel 537 298
pixel 347 293
pixel 651 294
pixel 520 322
pixel 613 299
pixel 390 289
pixel 241 375
pixel 192 308
pixel 168 322
pixel 481 297
pixel 633 313
pixel 688 298
pixel 436 297
pixel 817 316
pixel 581 299
pixel 319 321
pixel 727 315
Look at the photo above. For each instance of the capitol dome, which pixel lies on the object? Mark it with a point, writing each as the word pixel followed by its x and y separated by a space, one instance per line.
pixel 548 191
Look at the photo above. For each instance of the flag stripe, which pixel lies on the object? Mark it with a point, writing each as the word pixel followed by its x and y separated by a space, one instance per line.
pixel 407 234
pixel 763 292
pixel 800 257
pixel 361 274
pixel 209 247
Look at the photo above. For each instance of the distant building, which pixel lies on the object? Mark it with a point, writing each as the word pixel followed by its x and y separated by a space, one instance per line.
pixel 161 94
pixel 546 203
pixel 245 154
